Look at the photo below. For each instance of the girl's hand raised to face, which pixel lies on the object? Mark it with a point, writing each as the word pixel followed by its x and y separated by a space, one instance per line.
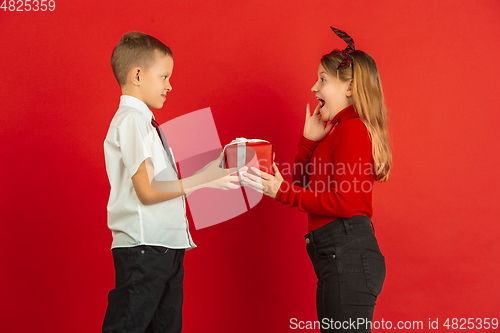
pixel 315 128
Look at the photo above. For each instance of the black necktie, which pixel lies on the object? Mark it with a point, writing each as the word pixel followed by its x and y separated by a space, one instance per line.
pixel 165 144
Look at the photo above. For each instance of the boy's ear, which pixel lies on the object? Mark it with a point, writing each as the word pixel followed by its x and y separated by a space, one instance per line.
pixel 348 92
pixel 135 76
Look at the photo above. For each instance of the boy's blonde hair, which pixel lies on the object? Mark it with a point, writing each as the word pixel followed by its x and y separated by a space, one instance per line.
pixel 136 49
pixel 368 102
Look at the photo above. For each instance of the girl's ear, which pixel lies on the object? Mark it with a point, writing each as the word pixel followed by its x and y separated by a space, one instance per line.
pixel 135 76
pixel 349 90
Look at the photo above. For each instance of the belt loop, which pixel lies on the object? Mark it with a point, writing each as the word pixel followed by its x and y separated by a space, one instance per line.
pixel 347 226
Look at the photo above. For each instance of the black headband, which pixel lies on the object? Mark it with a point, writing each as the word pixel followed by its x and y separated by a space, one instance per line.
pixel 348 50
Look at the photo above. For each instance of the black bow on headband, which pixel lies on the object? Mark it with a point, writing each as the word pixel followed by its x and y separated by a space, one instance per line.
pixel 348 50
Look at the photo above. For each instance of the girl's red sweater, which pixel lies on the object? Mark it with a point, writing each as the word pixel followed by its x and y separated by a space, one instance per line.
pixel 333 178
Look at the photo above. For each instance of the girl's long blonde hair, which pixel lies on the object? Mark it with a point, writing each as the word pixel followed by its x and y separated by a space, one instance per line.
pixel 369 103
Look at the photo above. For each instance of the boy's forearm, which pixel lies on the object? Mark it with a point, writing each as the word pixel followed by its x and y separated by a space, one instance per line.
pixel 176 188
pixel 151 191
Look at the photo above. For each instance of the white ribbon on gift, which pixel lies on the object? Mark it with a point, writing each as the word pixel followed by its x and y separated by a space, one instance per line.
pixel 241 149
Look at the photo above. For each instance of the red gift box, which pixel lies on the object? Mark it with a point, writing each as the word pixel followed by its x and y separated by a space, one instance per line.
pixel 252 153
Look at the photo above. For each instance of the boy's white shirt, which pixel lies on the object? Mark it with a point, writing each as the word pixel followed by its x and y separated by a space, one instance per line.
pixel 132 139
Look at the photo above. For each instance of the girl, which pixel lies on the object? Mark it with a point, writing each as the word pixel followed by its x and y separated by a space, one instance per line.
pixel 334 172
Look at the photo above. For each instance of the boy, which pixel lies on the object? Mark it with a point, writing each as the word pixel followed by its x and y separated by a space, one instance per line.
pixel 146 207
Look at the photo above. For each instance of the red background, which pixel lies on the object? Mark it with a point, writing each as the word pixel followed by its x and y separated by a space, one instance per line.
pixel 253 62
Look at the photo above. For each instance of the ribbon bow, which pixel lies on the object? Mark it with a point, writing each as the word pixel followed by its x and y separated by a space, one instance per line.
pixel 348 50
pixel 242 141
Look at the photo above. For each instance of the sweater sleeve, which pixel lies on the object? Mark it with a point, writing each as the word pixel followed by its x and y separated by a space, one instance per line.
pixel 302 160
pixel 348 189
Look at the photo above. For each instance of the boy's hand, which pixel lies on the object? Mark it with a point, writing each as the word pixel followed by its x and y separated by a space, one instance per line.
pixel 212 175
pixel 264 182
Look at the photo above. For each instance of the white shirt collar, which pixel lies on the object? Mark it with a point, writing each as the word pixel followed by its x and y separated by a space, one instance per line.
pixel 127 100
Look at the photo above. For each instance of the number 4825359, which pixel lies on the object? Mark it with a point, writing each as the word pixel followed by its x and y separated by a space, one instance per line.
pixel 28 5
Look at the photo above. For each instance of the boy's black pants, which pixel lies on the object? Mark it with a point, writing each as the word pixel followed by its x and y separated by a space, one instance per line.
pixel 148 291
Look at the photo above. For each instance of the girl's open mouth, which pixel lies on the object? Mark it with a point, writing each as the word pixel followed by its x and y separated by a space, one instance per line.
pixel 322 102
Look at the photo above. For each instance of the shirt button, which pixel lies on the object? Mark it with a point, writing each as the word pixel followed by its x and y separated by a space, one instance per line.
pixel 142 251
pixel 307 240
pixel 334 256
